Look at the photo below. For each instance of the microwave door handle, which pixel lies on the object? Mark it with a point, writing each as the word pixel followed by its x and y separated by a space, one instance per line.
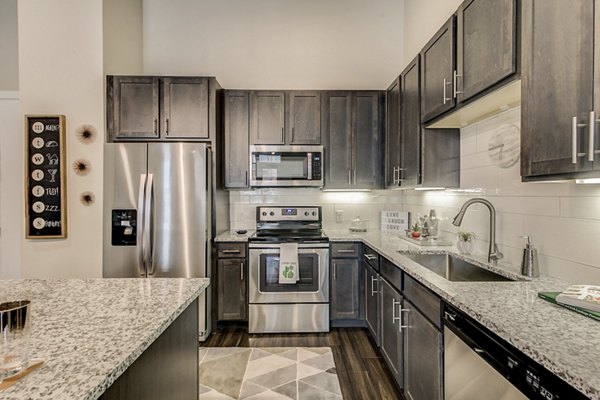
pixel 140 226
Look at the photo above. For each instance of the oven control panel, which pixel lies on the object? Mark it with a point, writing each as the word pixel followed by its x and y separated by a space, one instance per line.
pixel 288 214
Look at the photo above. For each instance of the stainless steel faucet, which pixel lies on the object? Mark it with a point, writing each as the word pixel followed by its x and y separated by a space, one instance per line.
pixel 493 254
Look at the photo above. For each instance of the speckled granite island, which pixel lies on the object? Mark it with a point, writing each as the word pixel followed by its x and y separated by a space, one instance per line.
pixel 97 335
pixel 562 341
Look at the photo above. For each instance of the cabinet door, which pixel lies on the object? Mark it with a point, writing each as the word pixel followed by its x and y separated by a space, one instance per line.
pixel 410 125
pixel 437 73
pixel 344 289
pixel 557 85
pixel 422 356
pixel 237 133
pixel 392 134
pixel 304 126
pixel 337 113
pixel 232 289
pixel 267 117
pixel 486 45
pixel 132 107
pixel 372 301
pixel 368 157
pixel 391 330
pixel 184 108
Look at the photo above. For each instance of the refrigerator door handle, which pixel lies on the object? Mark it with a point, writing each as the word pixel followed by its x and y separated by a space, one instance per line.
pixel 149 225
pixel 140 226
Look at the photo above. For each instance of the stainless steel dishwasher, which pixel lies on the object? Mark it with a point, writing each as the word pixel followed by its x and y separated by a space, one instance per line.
pixel 480 365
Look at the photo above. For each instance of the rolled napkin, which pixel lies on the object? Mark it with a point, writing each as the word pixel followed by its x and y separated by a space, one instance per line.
pixel 288 263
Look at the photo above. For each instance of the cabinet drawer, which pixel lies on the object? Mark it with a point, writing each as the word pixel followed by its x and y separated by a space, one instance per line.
pixel 230 250
pixel 391 273
pixel 371 257
pixel 342 250
pixel 427 302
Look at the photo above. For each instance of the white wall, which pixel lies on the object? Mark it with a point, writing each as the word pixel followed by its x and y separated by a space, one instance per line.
pixel 9 65
pixel 423 18
pixel 563 219
pixel 123 37
pixel 277 44
pixel 60 57
pixel 11 205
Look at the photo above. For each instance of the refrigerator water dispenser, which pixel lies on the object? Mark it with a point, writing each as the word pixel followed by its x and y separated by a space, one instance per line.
pixel 124 232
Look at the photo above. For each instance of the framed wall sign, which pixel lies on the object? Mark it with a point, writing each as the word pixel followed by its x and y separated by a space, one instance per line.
pixel 45 180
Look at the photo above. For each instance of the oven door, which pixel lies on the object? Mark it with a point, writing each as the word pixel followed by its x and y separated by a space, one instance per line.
pixel 273 166
pixel 312 287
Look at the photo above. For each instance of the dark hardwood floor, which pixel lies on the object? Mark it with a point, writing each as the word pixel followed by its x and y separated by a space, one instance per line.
pixel 361 371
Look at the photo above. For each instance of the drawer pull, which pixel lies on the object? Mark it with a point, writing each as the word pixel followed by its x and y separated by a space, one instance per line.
pixel 230 251
pixel 344 251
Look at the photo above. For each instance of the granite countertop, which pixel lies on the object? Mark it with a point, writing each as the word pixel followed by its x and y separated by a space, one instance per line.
pixel 564 342
pixel 89 331
pixel 232 236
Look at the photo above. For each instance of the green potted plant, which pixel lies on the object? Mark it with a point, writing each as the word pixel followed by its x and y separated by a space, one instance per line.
pixel 466 242
pixel 415 231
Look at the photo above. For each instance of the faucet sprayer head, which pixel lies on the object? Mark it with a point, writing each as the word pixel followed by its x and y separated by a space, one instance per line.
pixel 458 219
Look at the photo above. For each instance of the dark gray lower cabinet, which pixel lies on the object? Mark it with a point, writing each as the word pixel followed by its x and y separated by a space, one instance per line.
pixel 345 289
pixel 232 289
pixel 391 329
pixel 422 356
pixel 372 300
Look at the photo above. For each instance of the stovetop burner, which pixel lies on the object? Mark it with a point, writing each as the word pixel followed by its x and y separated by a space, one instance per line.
pixel 288 224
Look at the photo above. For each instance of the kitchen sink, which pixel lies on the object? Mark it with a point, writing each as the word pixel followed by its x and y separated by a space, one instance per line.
pixel 455 269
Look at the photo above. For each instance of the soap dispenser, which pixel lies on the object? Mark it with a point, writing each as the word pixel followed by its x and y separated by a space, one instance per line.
pixel 529 264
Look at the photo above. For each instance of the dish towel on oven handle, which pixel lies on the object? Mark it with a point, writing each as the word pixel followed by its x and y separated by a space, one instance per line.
pixel 288 263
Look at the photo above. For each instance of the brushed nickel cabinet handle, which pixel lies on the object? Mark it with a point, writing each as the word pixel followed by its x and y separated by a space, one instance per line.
pixel 455 77
pixel 241 271
pixel 345 251
pixel 167 126
pixel 394 318
pixel 155 126
pixel 575 132
pixel 230 251
pixel 446 83
pixel 350 177
pixel 592 132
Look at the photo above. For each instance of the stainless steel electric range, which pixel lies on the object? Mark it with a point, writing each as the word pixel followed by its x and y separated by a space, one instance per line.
pixel 283 307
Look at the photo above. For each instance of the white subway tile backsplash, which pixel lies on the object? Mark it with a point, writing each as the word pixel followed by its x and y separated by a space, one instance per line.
pixel 563 219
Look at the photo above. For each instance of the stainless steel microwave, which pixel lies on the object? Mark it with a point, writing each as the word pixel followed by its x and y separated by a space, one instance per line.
pixel 286 166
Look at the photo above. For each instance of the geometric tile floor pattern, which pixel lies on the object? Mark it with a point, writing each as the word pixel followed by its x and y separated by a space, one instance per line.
pixel 299 373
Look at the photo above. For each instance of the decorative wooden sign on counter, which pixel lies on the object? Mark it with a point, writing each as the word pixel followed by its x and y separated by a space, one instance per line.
pixel 45 183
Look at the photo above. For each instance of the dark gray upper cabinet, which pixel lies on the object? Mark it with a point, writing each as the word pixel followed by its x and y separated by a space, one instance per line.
pixel 392 134
pixel 437 72
pixel 558 88
pixel 486 45
pixel 132 107
pixel 368 155
pixel 352 133
pixel 237 133
pixel 422 356
pixel 304 121
pixel 337 115
pixel 391 330
pixel 345 288
pixel 410 126
pixel 184 108
pixel 267 117
pixel 147 108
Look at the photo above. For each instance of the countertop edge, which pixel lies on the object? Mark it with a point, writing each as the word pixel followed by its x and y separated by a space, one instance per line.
pixel 151 338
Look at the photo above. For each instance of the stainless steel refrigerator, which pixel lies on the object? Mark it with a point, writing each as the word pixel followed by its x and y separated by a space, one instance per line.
pixel 157 213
